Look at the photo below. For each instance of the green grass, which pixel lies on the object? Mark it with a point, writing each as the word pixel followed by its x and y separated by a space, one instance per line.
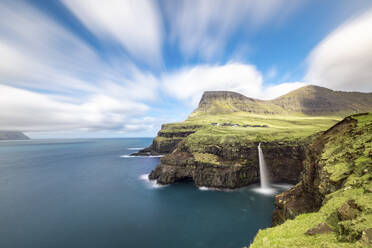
pixel 292 232
pixel 279 128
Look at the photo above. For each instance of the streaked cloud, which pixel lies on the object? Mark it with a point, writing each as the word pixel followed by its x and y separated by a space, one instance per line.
pixel 136 24
pixel 52 80
pixel 343 60
pixel 204 27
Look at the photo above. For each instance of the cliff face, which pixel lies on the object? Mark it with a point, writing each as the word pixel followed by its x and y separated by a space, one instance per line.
pixel 333 201
pixel 316 182
pixel 168 138
pixel 230 164
pixel 12 135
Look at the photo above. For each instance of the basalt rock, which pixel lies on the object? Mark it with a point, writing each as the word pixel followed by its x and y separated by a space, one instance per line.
pixel 227 166
pixel 319 229
pixel 348 211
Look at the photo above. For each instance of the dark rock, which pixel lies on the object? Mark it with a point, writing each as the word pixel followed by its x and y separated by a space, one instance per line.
pixel 236 165
pixel 367 237
pixel 319 229
pixel 147 152
pixel 349 210
pixel 208 176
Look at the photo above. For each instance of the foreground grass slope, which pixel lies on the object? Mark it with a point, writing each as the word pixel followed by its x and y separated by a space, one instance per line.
pixel 341 180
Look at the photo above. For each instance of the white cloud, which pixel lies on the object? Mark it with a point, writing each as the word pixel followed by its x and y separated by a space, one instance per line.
pixel 204 27
pixel 65 84
pixel 136 24
pixel 29 111
pixel 31 54
pixel 189 84
pixel 343 60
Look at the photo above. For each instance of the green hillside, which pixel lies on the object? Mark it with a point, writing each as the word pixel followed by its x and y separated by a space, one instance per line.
pixel 338 184
pixel 308 100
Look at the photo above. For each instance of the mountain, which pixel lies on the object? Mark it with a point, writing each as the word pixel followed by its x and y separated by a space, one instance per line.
pixel 309 100
pixel 295 115
pixel 12 135
pixel 315 100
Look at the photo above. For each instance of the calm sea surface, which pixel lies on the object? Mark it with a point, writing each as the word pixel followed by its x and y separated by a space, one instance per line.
pixel 82 193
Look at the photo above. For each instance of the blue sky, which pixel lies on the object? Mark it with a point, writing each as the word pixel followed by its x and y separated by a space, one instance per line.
pixel 83 68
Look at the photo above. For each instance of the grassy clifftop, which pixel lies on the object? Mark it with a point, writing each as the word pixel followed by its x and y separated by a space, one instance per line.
pixel 243 126
pixel 338 179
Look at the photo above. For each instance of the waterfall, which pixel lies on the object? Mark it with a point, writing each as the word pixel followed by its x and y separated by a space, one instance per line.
pixel 263 171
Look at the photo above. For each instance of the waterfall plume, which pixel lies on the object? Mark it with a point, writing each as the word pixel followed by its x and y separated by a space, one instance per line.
pixel 264 180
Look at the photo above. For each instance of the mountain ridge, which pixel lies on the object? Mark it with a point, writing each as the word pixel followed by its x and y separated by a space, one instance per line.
pixel 308 100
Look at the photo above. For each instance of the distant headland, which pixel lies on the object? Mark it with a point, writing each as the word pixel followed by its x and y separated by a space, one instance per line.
pixel 13 135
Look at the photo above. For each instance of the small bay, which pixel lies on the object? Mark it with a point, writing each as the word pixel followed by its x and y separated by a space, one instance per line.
pixel 86 193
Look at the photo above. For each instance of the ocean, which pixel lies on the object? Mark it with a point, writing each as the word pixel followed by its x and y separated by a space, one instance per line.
pixel 86 193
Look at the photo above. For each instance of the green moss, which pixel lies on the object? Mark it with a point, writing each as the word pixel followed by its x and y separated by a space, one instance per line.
pixel 206 158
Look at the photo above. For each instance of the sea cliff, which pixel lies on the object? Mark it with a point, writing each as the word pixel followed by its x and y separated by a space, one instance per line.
pixel 331 206
pixel 229 164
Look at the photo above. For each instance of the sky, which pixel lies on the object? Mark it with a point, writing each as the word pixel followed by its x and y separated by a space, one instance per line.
pixel 121 68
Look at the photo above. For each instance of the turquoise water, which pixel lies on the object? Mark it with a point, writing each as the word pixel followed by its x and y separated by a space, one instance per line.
pixel 82 193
